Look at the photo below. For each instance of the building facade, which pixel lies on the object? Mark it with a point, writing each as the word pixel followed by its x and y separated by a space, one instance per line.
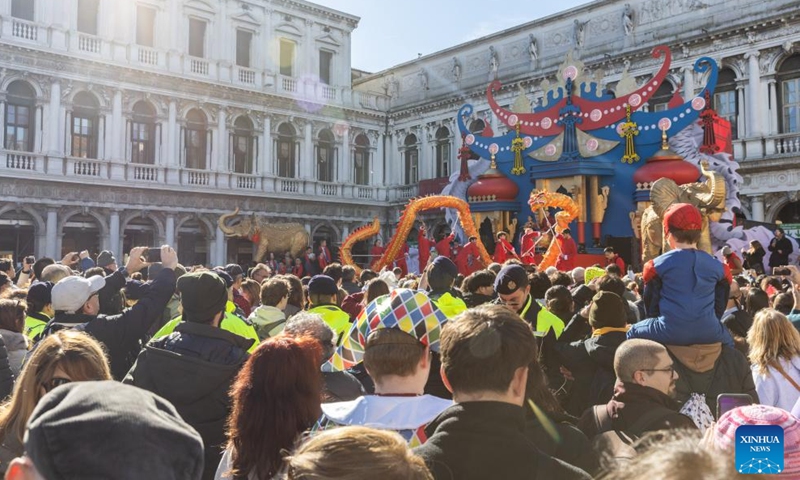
pixel 138 122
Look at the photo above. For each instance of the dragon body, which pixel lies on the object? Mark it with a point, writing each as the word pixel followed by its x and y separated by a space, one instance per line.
pixel 542 199
pixel 404 226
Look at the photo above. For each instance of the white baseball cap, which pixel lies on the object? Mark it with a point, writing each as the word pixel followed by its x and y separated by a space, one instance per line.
pixel 70 293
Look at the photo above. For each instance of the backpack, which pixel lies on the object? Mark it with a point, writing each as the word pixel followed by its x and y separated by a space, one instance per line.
pixel 617 446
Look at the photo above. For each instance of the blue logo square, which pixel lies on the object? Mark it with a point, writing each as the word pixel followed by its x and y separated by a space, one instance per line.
pixel 759 449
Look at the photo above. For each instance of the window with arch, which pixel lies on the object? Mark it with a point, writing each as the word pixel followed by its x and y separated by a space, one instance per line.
pixel 789 101
pixel 725 99
pixel 660 100
pixel 477 126
pixel 361 160
pixel 326 156
pixel 23 9
pixel 195 142
pixel 243 145
pixel 20 105
pixel 411 157
pixel 143 134
pixel 442 152
pixel 287 146
pixel 84 126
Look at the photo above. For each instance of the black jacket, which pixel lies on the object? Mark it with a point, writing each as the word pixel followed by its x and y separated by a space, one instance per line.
pixel 727 371
pixel 350 287
pixel 476 299
pixel 122 334
pixel 754 260
pixel 571 446
pixel 194 368
pixel 632 401
pixel 341 387
pixel 486 440
pixel 591 363
pixel 779 259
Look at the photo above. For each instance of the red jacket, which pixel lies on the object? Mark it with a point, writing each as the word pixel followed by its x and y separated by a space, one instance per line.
pixel 375 254
pixel 619 261
pixel 324 258
pixel 469 259
pixel 566 257
pixel 527 243
pixel 443 245
pixel 297 271
pixel 424 250
pixel 503 251
pixel 400 261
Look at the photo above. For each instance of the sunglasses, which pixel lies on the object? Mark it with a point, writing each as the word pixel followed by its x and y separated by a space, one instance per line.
pixel 56 382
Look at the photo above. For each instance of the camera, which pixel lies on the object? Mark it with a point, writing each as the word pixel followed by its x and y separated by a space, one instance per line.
pixel 153 255
pixel 783 271
pixel 30 260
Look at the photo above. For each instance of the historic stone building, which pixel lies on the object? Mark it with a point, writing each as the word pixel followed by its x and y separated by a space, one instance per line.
pixel 141 121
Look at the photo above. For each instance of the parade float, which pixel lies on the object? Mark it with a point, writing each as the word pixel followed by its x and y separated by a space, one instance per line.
pixel 619 164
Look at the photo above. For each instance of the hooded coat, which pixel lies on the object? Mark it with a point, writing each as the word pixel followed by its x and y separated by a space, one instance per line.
pixel 711 370
pixel 193 368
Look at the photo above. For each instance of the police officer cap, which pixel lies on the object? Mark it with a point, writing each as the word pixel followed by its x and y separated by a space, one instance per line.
pixel 323 285
pixel 510 279
pixel 446 265
pixel 225 276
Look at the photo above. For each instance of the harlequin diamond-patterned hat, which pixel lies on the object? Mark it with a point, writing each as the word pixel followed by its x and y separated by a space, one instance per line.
pixel 408 310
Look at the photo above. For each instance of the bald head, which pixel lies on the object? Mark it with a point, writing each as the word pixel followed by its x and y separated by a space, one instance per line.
pixel 634 355
pixel 55 272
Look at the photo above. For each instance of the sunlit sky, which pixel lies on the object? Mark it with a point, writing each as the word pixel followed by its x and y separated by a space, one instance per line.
pixel 393 32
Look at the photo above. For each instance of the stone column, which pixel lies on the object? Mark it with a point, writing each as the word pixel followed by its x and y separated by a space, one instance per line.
pixel 773 106
pixel 221 143
pixel 117 127
pixel 307 159
pixel 425 161
pixel 3 130
pixel 265 151
pixel 114 234
pixel 170 231
pixel 345 171
pixel 172 135
pixel 54 120
pixel 221 247
pixel 753 89
pixel 51 234
pixel 757 207
pixel 376 161
pixel 741 116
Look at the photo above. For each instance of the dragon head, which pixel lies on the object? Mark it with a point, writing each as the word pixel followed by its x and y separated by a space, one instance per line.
pixel 538 199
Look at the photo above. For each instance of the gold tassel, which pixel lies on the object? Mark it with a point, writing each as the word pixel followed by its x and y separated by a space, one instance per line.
pixel 629 130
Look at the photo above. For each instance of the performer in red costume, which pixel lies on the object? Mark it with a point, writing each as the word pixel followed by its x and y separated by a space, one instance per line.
pixel 376 251
pixel 443 245
pixel 503 249
pixel 324 256
pixel 400 261
pixel 424 245
pixel 528 244
pixel 568 251
pixel 469 258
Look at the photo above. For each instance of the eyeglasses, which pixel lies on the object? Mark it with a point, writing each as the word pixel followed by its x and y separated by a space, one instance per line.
pixel 56 382
pixel 670 369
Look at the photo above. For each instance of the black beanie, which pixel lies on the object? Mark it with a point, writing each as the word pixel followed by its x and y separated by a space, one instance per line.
pixel 203 295
pixel 608 310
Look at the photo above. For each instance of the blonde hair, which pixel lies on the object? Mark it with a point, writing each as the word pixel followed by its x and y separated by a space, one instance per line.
pixel 356 453
pixel 80 356
pixel 771 338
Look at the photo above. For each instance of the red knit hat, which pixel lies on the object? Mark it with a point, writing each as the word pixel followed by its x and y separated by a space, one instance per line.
pixel 683 216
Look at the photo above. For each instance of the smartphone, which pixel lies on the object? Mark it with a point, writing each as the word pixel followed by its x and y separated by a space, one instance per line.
pixel 783 271
pixel 153 255
pixel 30 260
pixel 729 401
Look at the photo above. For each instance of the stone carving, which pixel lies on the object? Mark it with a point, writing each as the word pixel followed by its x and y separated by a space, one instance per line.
pixel 627 19
pixel 579 32
pixel 423 78
pixel 655 10
pixel 494 63
pixel 533 49
pixel 456 70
